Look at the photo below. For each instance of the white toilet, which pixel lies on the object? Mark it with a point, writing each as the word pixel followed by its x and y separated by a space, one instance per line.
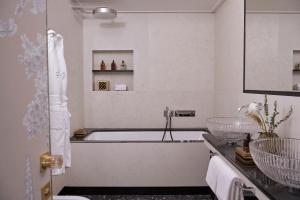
pixel 69 198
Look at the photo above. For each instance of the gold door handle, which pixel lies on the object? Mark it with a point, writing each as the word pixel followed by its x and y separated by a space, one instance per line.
pixel 50 161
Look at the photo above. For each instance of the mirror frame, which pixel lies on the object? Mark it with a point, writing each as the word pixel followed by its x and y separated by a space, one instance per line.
pixel 270 92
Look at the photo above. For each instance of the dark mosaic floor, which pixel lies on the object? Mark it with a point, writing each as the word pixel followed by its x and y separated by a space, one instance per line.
pixel 149 197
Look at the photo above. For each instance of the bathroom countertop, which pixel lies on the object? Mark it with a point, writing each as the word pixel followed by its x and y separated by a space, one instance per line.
pixel 268 187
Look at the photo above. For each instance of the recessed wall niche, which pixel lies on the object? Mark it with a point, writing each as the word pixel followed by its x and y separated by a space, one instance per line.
pixel 296 70
pixel 113 77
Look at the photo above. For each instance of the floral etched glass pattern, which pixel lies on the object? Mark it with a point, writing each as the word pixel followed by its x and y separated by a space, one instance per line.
pixel 279 159
pixel 34 59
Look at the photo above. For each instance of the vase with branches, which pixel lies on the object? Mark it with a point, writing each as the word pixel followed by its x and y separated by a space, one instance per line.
pixel 267 121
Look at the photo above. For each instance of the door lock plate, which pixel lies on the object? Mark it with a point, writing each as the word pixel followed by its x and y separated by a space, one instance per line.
pixel 46 191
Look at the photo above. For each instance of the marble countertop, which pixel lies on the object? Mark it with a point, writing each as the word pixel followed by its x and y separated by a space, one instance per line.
pixel 267 186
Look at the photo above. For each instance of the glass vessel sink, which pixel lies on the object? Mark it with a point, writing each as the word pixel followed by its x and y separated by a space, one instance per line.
pixel 231 129
pixel 279 159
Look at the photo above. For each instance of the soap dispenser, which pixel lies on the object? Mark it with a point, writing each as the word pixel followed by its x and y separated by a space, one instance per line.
pixel 113 65
pixel 102 65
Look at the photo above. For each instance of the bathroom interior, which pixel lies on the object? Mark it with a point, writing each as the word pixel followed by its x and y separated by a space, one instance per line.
pixel 159 100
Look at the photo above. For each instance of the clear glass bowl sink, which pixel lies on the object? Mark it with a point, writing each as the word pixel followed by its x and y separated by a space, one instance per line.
pixel 279 159
pixel 231 129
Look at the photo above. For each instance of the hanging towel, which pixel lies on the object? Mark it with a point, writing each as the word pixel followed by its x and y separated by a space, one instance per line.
pixel 223 180
pixel 59 113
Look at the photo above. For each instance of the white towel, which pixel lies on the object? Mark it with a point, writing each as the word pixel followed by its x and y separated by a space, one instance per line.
pixel 222 180
pixel 120 87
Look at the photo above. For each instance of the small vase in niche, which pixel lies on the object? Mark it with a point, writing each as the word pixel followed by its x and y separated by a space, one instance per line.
pixel 123 65
pixel 102 65
pixel 113 65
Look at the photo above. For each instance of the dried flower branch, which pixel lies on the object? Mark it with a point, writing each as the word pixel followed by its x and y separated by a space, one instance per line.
pixel 268 122
pixel 258 119
pixel 284 118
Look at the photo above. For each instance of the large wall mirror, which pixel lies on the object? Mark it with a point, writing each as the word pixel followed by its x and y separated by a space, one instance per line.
pixel 272 47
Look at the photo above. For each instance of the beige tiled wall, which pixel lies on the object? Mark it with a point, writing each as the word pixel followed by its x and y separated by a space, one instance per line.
pixel 173 65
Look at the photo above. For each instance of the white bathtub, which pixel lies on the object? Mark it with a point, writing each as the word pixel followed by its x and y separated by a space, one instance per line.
pixel 138 159
pixel 144 136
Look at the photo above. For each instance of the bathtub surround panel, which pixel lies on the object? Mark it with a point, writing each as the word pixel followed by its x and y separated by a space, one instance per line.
pixel 62 19
pixel 138 164
pixel 163 59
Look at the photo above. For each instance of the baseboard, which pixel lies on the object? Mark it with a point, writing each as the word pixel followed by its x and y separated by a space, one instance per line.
pixel 203 190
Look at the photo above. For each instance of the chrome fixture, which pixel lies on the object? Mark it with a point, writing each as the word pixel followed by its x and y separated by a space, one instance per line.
pixel 185 113
pixel 98 12
pixel 243 187
pixel 105 13
pixel 168 114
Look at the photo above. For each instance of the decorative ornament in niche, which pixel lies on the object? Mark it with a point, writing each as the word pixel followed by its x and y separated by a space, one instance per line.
pixel 8 28
pixel 36 118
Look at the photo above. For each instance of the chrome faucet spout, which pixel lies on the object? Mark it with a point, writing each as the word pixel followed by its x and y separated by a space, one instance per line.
pixel 168 114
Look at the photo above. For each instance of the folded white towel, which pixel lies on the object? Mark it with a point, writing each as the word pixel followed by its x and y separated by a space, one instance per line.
pixel 120 87
pixel 222 180
pixel 211 175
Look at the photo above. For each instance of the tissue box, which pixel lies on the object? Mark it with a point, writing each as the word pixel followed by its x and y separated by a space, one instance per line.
pixel 120 87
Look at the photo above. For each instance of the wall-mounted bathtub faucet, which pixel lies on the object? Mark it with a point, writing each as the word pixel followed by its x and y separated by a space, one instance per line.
pixel 168 114
pixel 185 113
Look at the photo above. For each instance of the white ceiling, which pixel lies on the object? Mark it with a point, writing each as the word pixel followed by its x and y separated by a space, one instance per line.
pixel 154 5
pixel 273 5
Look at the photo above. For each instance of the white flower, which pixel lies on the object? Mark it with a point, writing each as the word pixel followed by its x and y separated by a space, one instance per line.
pixel 254 107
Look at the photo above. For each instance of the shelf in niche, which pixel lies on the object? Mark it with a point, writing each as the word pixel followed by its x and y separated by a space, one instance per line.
pixel 296 60
pixel 296 70
pixel 113 71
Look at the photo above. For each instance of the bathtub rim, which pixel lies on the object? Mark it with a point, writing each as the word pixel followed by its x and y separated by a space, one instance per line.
pixel 89 131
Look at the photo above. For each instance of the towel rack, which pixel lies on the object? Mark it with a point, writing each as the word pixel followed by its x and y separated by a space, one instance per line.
pixel 212 154
pixel 243 187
